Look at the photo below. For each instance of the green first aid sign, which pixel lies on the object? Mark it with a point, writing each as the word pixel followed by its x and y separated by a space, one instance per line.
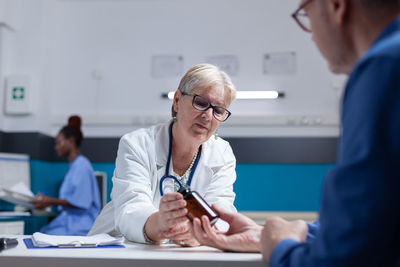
pixel 18 93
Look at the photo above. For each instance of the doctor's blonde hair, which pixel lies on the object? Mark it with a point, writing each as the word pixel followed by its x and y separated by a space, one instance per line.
pixel 202 76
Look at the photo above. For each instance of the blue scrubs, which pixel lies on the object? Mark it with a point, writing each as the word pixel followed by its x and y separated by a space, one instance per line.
pixel 80 189
pixel 360 208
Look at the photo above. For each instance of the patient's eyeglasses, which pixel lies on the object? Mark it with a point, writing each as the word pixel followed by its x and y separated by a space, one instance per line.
pixel 301 17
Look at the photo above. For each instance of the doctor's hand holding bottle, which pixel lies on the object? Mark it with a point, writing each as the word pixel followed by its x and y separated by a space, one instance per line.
pixel 171 222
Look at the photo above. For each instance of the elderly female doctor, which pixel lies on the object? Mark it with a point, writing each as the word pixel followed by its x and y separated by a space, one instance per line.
pixel 183 148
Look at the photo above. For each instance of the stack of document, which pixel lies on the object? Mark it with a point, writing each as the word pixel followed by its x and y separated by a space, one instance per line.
pixel 19 194
pixel 43 240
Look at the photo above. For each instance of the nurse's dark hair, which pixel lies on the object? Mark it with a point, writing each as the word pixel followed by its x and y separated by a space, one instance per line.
pixel 73 129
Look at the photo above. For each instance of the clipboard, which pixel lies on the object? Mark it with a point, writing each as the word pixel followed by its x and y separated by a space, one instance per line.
pixel 29 245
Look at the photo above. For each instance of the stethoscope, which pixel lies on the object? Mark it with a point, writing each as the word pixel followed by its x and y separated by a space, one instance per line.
pixel 167 175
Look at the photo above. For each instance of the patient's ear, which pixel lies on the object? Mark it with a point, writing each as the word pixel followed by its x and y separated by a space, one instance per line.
pixel 338 10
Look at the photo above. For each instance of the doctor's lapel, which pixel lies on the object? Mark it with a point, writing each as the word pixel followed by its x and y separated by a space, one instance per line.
pixel 160 172
pixel 162 146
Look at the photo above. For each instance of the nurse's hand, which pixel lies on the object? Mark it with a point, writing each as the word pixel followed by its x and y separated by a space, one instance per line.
pixel 172 212
pixel 42 201
pixel 182 234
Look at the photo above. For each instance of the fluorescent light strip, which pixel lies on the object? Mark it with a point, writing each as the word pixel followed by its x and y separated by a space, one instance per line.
pixel 247 95
pixel 171 95
pixel 257 94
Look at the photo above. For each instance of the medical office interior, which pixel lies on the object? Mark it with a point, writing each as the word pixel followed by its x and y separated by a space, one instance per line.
pixel 113 61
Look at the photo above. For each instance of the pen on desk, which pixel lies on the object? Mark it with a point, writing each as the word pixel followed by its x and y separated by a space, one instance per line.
pixel 6 243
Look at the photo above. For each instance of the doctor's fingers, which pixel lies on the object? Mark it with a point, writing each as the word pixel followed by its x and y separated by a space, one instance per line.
pixel 173 214
pixel 180 228
pixel 185 235
pixel 172 196
pixel 171 228
pixel 172 205
pixel 186 241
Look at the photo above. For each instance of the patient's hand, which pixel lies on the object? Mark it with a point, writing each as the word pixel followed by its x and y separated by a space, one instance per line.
pixel 277 229
pixel 243 234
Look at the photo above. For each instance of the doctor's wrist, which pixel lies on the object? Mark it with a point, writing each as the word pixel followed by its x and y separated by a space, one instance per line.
pixel 147 239
pixel 151 232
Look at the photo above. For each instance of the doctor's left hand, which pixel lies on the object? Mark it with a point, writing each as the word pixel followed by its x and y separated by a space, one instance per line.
pixel 170 220
pixel 182 234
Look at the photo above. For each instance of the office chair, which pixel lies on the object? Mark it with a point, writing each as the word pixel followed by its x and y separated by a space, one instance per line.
pixel 101 178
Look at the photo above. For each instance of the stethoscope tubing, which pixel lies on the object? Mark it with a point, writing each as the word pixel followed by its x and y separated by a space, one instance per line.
pixel 167 175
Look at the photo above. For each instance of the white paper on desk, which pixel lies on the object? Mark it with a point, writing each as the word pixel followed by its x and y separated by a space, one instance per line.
pixel 10 214
pixel 43 240
pixel 22 189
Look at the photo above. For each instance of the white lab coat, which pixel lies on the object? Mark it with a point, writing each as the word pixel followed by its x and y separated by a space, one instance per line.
pixel 140 164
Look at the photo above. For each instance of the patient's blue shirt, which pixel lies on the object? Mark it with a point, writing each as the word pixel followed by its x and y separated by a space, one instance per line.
pixel 360 203
pixel 80 189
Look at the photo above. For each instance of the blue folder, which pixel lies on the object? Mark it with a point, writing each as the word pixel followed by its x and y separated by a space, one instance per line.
pixel 29 244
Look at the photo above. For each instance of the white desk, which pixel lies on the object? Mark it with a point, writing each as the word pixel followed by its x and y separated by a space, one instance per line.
pixel 133 255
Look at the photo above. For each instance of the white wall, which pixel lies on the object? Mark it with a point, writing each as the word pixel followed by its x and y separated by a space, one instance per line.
pixel 60 43
pixel 22 45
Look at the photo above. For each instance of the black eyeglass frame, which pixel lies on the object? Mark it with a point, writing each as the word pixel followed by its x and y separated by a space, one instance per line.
pixel 209 106
pixel 296 14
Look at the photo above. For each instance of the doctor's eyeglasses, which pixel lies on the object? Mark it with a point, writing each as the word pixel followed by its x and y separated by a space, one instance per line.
pixel 201 103
pixel 301 17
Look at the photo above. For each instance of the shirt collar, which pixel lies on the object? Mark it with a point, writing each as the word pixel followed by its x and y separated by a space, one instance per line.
pixel 393 27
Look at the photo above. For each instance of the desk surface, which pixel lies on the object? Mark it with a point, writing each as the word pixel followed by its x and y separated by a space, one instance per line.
pixel 132 255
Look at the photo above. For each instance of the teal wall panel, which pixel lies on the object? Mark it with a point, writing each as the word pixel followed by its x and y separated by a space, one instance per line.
pixel 259 187
pixel 279 187
pixel 46 177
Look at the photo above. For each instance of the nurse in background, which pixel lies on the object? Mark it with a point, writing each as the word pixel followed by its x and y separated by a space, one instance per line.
pixel 79 199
